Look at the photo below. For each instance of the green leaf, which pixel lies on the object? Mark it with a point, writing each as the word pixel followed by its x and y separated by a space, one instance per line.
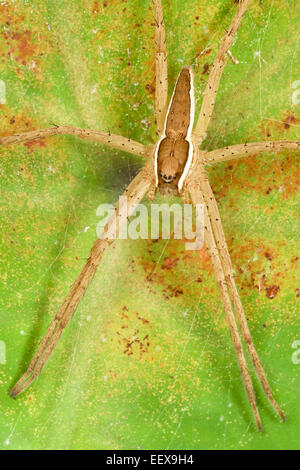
pixel 147 361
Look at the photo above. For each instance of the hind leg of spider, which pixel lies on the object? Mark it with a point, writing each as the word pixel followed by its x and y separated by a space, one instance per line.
pixel 221 244
pixel 134 193
pixel 213 253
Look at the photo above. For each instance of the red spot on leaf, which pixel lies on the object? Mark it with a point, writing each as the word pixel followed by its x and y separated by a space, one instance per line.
pixel 272 291
pixel 26 49
pixel 33 144
pixel 169 263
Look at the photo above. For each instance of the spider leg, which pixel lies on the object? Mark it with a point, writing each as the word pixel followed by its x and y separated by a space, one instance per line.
pixel 197 198
pixel 246 150
pixel 113 140
pixel 161 71
pixel 215 75
pixel 219 236
pixel 134 193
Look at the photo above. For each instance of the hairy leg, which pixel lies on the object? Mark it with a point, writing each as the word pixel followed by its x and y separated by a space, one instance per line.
pixel 210 93
pixel 161 72
pixel 221 244
pixel 197 198
pixel 249 149
pixel 134 193
pixel 113 140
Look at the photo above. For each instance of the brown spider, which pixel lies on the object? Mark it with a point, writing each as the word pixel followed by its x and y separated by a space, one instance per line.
pixel 175 164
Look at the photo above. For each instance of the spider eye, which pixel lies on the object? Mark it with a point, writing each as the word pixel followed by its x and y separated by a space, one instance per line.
pixel 168 178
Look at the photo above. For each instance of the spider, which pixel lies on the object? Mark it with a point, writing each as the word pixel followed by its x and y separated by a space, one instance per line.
pixel 176 165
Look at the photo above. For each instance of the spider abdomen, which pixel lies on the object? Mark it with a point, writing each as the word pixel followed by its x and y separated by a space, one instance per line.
pixel 179 113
